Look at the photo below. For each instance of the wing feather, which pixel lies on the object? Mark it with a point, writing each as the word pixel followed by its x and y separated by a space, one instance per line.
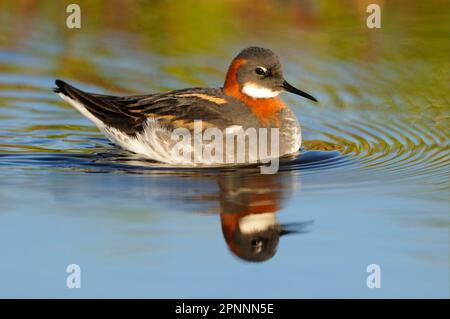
pixel 129 113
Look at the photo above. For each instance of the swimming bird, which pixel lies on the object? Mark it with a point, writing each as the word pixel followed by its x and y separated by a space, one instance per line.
pixel 144 124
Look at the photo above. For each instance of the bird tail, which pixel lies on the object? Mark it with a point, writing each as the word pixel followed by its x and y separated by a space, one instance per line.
pixel 82 101
pixel 61 87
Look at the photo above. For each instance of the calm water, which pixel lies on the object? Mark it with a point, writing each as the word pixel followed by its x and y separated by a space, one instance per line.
pixel 371 184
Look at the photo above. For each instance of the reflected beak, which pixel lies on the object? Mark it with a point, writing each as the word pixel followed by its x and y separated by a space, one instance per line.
pixel 290 88
pixel 295 228
pixel 287 232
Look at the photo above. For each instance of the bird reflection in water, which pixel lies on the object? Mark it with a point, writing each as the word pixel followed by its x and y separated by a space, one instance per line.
pixel 249 204
pixel 248 201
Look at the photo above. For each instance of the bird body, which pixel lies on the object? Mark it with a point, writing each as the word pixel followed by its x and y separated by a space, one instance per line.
pixel 248 102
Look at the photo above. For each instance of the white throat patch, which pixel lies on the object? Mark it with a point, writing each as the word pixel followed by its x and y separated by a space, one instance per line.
pixel 258 92
pixel 254 223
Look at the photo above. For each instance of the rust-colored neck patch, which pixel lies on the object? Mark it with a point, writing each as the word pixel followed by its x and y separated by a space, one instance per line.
pixel 231 86
pixel 264 109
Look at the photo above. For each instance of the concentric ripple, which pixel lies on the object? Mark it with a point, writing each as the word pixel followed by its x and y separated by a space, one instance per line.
pixel 394 148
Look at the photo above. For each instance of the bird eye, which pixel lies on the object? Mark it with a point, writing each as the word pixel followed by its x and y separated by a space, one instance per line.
pixel 260 70
pixel 257 245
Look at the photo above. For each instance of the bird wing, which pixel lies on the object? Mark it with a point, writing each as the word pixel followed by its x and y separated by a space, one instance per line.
pixel 129 114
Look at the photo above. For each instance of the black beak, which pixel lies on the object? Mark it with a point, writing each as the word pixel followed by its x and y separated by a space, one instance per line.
pixel 290 88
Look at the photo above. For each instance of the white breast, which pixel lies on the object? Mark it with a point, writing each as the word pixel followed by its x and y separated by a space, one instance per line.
pixel 153 142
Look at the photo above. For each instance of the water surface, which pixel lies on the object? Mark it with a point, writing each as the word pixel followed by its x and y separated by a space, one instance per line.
pixel 370 185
